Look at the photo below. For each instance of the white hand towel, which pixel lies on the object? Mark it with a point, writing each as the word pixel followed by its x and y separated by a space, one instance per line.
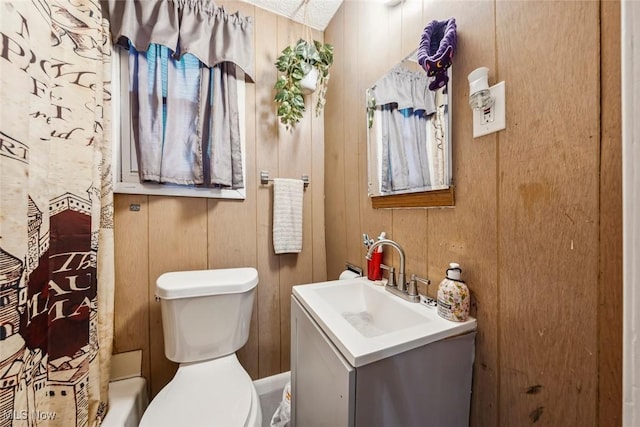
pixel 287 215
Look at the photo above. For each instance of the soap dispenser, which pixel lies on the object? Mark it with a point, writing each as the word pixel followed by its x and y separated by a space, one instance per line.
pixel 453 295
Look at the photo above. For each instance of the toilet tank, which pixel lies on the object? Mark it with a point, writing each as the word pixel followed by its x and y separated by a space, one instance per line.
pixel 205 313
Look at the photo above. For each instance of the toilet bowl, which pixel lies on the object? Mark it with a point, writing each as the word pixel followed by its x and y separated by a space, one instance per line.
pixel 205 320
pixel 213 393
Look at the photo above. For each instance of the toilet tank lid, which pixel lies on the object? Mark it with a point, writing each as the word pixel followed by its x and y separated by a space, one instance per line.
pixel 186 284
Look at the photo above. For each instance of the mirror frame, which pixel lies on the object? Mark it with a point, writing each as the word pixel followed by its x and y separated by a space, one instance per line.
pixel 424 199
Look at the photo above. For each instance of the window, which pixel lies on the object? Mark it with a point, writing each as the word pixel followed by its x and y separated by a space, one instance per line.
pixel 125 165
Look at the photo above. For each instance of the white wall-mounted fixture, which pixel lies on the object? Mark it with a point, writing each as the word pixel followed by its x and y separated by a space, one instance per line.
pixel 488 103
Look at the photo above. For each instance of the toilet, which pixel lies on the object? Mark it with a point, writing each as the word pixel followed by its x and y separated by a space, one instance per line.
pixel 205 319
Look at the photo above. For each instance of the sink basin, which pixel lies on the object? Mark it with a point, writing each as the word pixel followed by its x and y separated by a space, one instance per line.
pixel 367 323
pixel 370 312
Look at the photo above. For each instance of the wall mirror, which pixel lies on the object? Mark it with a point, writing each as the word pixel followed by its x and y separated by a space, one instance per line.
pixel 409 139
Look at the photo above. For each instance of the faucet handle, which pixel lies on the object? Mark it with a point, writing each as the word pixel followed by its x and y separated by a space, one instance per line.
pixel 392 274
pixel 413 284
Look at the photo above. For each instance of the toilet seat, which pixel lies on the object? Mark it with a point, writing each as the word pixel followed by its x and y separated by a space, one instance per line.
pixel 217 392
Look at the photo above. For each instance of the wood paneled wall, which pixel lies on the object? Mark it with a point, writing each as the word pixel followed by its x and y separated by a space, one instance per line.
pixel 537 222
pixel 536 226
pixel 176 233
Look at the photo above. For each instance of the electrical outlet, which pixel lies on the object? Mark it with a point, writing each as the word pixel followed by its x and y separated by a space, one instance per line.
pixel 491 119
pixel 487 116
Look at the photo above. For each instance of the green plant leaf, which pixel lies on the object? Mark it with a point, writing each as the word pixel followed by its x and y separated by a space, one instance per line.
pixel 305 67
pixel 284 109
pixel 280 96
pixel 298 101
pixel 301 48
pixel 281 83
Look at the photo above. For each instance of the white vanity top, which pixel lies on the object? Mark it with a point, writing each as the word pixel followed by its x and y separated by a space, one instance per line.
pixel 367 323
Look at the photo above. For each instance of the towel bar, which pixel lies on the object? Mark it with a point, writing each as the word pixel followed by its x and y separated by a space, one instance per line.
pixel 264 178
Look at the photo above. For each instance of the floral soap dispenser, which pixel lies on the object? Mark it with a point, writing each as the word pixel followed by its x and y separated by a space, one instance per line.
pixel 453 296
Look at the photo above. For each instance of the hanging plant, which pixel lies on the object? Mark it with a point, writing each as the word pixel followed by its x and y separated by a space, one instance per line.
pixel 295 62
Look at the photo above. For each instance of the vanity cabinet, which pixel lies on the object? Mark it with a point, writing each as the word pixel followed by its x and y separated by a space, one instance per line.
pixel 429 385
pixel 320 370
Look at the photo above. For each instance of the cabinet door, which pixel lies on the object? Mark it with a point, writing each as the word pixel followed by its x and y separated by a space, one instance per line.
pixel 322 381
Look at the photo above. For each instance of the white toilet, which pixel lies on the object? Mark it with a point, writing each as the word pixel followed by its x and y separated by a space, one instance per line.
pixel 205 319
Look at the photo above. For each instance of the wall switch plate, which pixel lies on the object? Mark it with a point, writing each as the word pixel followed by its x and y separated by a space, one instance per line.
pixel 491 119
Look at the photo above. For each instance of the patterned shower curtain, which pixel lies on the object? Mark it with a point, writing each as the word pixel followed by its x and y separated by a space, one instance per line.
pixel 56 213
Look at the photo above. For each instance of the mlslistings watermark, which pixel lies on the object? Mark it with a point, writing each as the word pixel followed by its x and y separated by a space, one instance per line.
pixel 23 415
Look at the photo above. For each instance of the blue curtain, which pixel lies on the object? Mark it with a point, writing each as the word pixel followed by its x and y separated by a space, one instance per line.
pixel 168 137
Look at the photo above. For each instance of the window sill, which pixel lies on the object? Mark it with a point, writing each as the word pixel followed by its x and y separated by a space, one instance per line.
pixel 177 190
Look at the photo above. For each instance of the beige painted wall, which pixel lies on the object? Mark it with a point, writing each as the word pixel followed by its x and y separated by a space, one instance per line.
pixel 537 221
pixel 174 233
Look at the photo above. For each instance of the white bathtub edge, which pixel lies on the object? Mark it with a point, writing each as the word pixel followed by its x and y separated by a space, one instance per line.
pixel 128 399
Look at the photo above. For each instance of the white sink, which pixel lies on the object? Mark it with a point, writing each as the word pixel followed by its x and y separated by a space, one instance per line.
pixel 367 323
pixel 369 311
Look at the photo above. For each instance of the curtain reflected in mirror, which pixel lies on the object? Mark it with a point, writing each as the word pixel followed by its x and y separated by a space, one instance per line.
pixel 408 132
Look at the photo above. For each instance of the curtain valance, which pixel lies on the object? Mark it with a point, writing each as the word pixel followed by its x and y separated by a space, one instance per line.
pixel 406 88
pixel 197 27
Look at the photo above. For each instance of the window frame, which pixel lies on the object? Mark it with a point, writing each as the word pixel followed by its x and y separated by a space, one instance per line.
pixel 125 176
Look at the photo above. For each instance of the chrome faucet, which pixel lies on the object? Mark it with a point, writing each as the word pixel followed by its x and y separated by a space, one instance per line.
pixel 401 288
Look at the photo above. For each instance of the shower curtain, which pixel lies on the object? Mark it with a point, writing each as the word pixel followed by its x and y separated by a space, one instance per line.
pixel 56 213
